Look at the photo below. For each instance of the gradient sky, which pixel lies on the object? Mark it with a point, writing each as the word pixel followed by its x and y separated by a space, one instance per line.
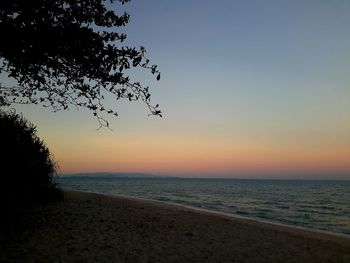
pixel 247 87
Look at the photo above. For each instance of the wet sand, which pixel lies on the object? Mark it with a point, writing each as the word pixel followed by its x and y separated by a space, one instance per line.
pixel 88 227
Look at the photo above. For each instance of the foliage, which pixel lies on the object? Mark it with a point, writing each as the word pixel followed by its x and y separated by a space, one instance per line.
pixel 65 53
pixel 27 168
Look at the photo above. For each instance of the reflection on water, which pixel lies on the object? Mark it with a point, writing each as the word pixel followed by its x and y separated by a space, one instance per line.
pixel 323 205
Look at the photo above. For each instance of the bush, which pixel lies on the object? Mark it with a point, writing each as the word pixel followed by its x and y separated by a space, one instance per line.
pixel 26 166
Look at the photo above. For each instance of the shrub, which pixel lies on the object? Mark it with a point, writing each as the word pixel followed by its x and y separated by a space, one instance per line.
pixel 26 166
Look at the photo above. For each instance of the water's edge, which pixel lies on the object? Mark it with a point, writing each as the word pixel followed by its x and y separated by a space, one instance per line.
pixel 220 213
pixel 322 206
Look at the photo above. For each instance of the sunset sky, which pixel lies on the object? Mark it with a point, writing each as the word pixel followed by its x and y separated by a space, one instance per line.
pixel 247 87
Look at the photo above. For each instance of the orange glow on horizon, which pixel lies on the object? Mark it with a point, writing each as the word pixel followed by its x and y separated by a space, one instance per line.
pixel 189 155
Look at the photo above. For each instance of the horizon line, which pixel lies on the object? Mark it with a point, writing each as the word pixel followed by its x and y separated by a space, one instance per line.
pixel 344 176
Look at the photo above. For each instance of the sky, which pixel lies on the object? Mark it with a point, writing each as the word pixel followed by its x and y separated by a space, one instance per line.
pixel 247 87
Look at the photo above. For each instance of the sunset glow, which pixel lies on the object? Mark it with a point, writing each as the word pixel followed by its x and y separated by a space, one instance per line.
pixel 247 87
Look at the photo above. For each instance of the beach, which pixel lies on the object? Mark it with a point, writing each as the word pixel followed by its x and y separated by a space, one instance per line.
pixel 88 227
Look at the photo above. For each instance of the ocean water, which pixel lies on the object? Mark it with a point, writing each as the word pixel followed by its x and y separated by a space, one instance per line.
pixel 322 205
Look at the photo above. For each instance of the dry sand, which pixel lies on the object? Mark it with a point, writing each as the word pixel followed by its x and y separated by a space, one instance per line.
pixel 89 227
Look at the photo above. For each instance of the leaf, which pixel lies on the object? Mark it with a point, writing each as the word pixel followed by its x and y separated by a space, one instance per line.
pixel 71 54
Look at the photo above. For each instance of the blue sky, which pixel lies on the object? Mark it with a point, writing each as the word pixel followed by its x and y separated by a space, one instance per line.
pixel 262 84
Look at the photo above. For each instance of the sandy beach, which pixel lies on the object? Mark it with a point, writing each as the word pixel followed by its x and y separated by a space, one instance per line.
pixel 88 227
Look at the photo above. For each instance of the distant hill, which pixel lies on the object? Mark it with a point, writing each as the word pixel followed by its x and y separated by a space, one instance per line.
pixel 112 175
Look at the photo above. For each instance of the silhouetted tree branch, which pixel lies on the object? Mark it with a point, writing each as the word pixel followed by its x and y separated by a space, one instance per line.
pixel 64 53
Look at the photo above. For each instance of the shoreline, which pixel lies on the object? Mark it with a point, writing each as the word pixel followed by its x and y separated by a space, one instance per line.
pixel 91 227
pixel 220 213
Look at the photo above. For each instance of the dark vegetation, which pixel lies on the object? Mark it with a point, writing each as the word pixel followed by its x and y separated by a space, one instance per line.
pixel 64 53
pixel 59 54
pixel 27 168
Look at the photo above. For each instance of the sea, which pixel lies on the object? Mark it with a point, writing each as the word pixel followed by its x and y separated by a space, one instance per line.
pixel 319 205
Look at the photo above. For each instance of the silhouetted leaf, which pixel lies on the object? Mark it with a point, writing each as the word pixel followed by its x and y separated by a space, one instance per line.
pixel 57 56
